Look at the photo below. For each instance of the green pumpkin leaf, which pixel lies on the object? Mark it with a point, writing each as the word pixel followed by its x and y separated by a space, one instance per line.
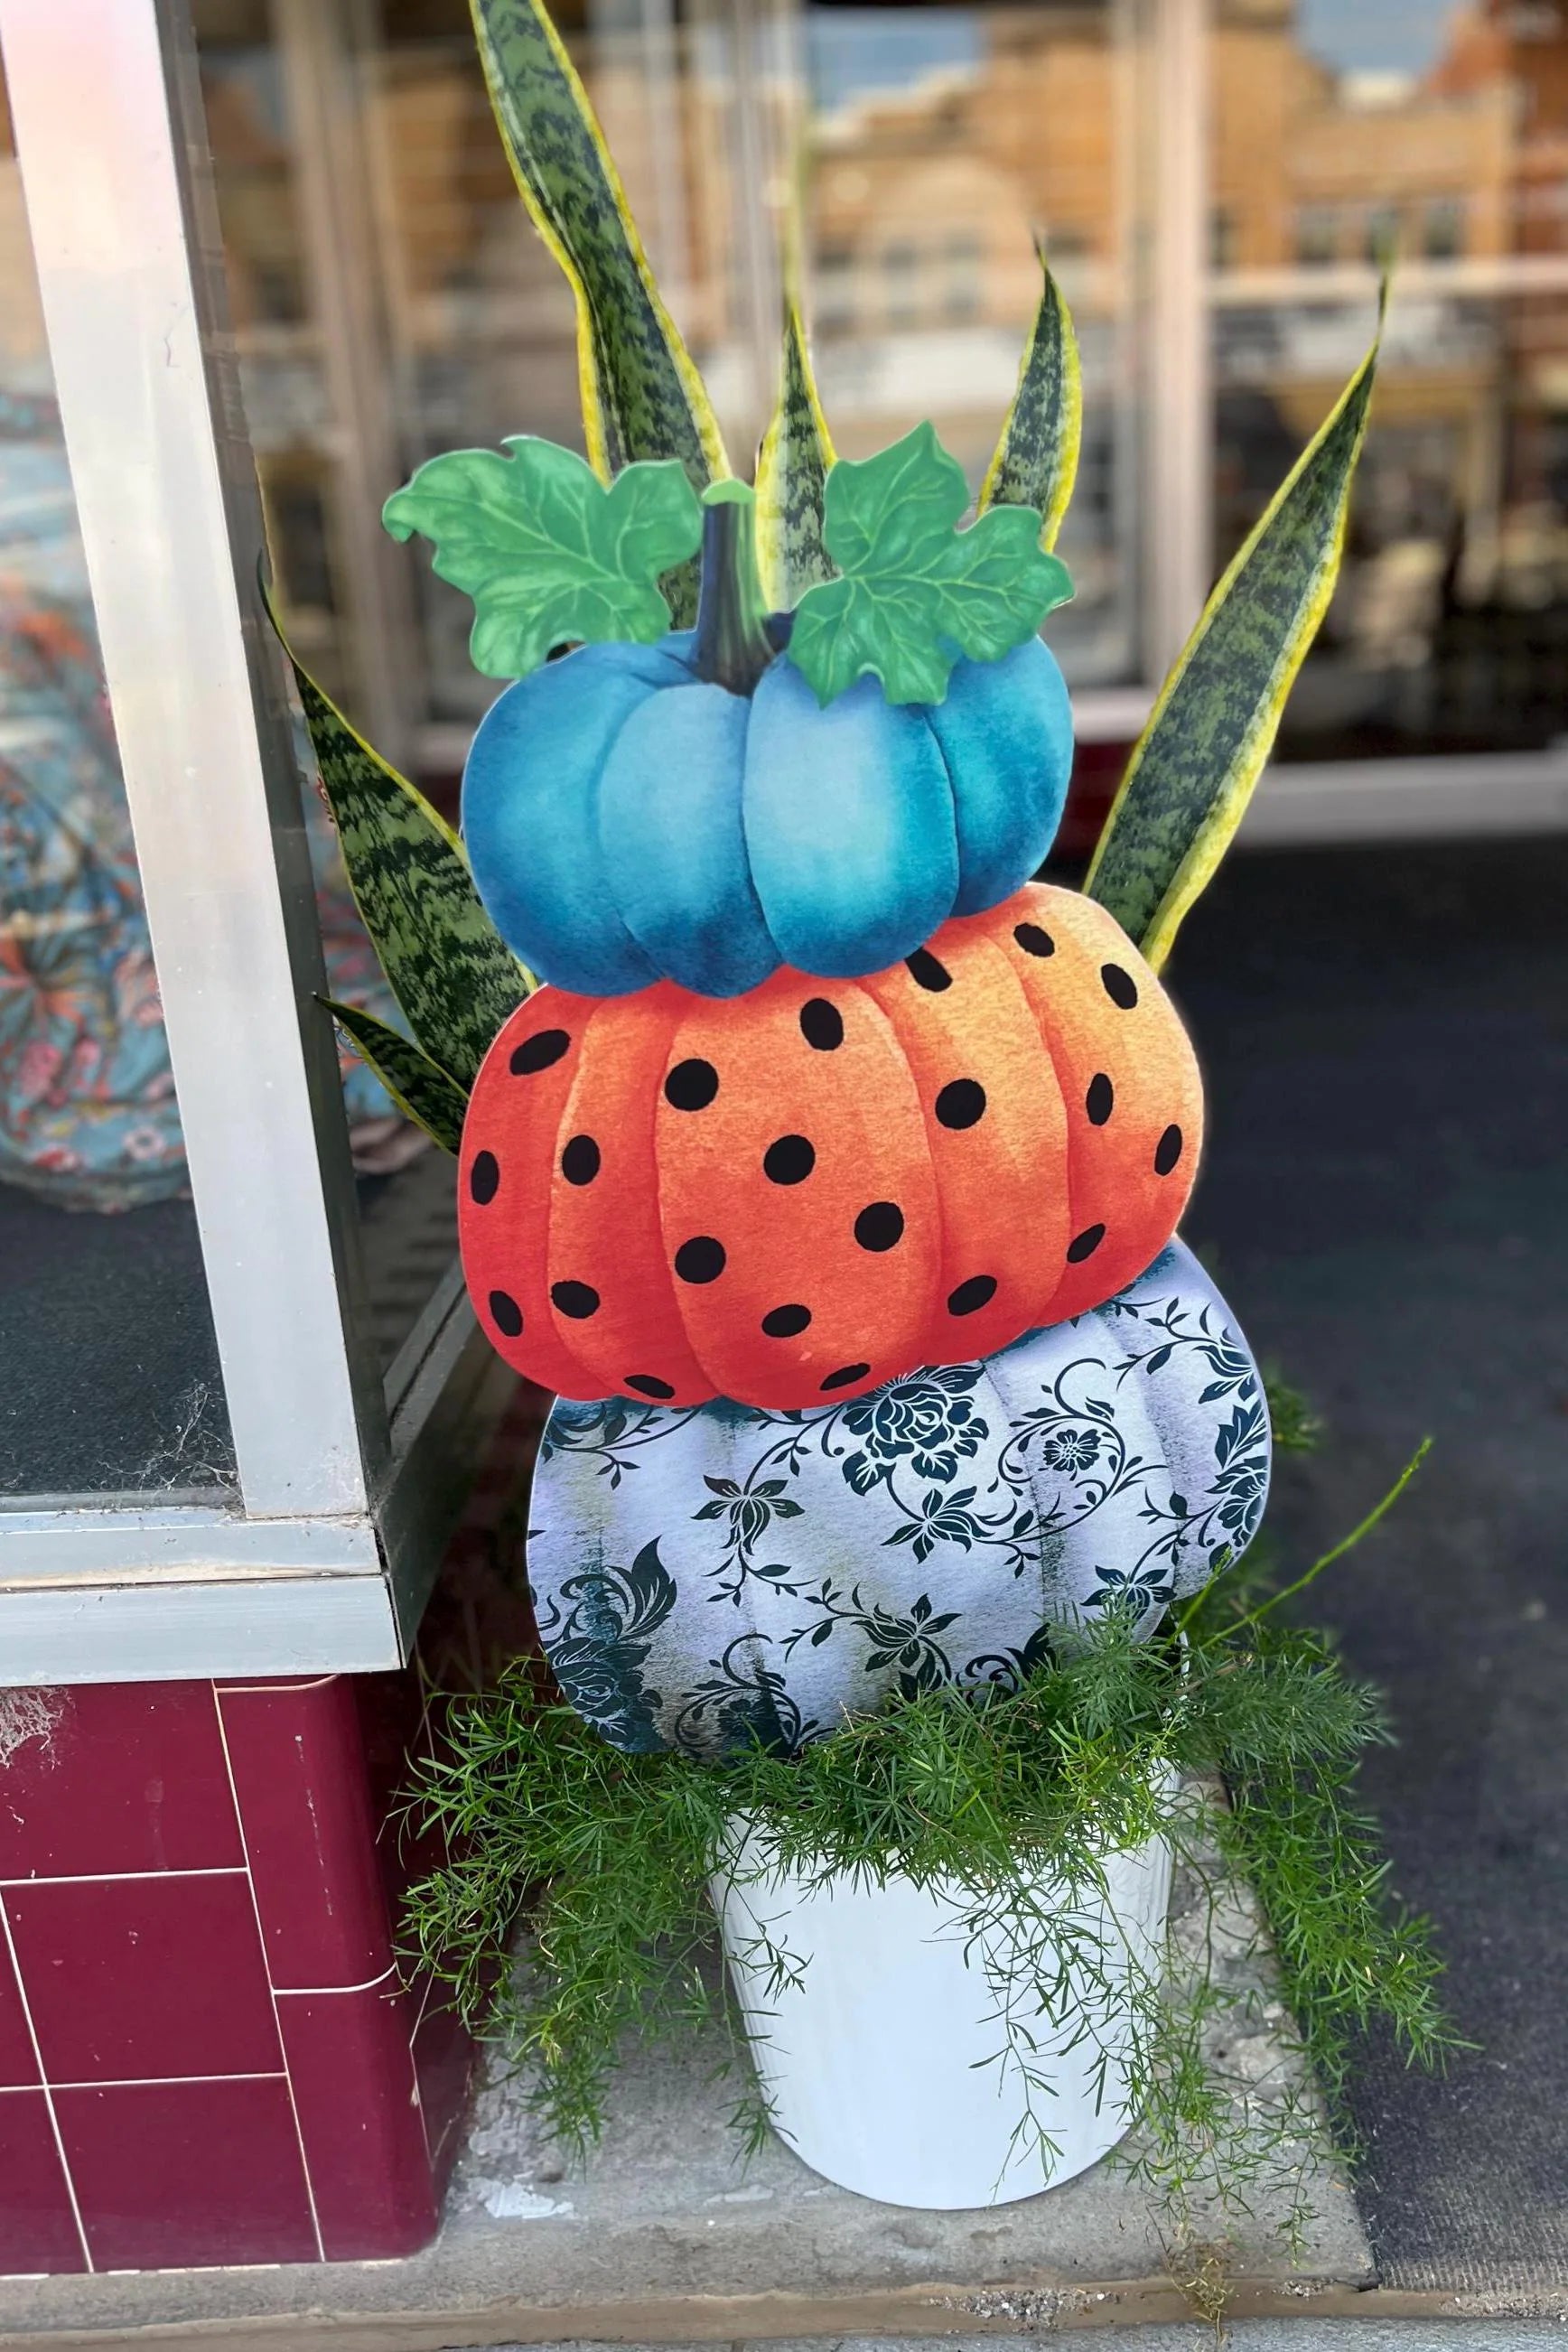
pixel 791 474
pixel 1191 772
pixel 452 974
pixel 1036 463
pixel 421 1091
pixel 548 555
pixel 917 592
pixel 642 398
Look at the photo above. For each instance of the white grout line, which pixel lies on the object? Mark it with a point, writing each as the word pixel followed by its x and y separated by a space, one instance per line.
pixel 267 1964
pixel 43 2084
pixel 317 1682
pixel 116 1878
pixel 314 1992
pixel 142 2082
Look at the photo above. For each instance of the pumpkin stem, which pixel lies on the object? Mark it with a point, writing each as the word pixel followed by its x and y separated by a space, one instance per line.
pixel 732 646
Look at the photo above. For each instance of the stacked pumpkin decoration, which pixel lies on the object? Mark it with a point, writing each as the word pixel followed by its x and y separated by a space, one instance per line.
pixel 822 1100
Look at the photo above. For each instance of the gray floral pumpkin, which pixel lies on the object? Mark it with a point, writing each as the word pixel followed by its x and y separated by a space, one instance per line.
pixel 708 1575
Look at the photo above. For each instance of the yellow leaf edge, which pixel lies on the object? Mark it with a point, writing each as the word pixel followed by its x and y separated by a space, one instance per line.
pixel 1072 410
pixel 356 1025
pixel 701 408
pixel 770 505
pixel 427 809
pixel 1213 838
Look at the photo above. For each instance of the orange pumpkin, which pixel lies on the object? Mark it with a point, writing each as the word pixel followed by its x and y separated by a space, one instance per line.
pixel 791 1196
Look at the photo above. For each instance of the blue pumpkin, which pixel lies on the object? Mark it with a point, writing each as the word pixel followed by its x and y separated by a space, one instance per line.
pixel 630 818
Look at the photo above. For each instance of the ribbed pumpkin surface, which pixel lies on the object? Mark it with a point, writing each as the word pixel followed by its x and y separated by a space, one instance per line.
pixel 705 1576
pixel 795 1195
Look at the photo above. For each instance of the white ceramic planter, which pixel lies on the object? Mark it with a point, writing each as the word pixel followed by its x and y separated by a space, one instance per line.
pixel 874 2062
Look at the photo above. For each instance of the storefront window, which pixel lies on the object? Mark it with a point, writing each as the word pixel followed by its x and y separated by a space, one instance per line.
pixel 392 300
pixel 1340 134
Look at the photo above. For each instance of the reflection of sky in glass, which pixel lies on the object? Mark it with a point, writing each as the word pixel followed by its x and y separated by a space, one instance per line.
pixel 853 51
pixel 1373 36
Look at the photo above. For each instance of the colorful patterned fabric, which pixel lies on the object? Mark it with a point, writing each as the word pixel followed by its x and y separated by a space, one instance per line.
pixel 706 1575
pixel 88 1114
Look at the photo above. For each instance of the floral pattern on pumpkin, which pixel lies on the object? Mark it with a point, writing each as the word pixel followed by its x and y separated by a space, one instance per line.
pixel 787 1569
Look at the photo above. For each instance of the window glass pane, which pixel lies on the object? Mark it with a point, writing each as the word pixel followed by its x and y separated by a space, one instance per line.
pixel 930 176
pixel 392 300
pixel 320 159
pixel 1341 132
pixel 110 1377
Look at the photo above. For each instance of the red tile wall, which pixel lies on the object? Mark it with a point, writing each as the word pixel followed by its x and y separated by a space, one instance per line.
pixel 134 1780
pixel 206 2051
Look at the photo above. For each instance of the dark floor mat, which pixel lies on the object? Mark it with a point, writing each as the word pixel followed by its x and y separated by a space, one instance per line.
pixel 1385 1202
pixel 110 1380
pixel 110 1372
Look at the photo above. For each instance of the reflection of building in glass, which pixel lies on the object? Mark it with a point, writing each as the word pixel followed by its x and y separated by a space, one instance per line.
pixel 931 177
pixel 941 140
pixel 1448 622
pixel 1312 166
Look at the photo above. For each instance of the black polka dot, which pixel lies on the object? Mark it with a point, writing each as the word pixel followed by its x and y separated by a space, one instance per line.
pixel 701 1259
pixel 692 1085
pixel 821 1024
pixel 790 1161
pixel 538 1052
pixel 1167 1151
pixel 577 1299
pixel 1033 941
pixel 1084 1245
pixel 881 1226
pixel 961 1103
pixel 484 1177
pixel 977 1292
pixel 1119 985
pixel 783 1322
pixel 506 1313
pixel 845 1374
pixel 927 973
pixel 647 1385
pixel 580 1160
pixel 1100 1099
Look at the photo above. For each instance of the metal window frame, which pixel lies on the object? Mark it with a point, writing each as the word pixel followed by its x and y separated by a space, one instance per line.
pixel 1178 388
pixel 346 1480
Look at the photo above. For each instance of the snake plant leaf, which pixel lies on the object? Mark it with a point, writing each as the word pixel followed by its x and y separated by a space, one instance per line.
pixel 642 396
pixel 916 592
pixel 1192 773
pixel 1036 461
pixel 421 1091
pixel 449 969
pixel 792 475
pixel 548 554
